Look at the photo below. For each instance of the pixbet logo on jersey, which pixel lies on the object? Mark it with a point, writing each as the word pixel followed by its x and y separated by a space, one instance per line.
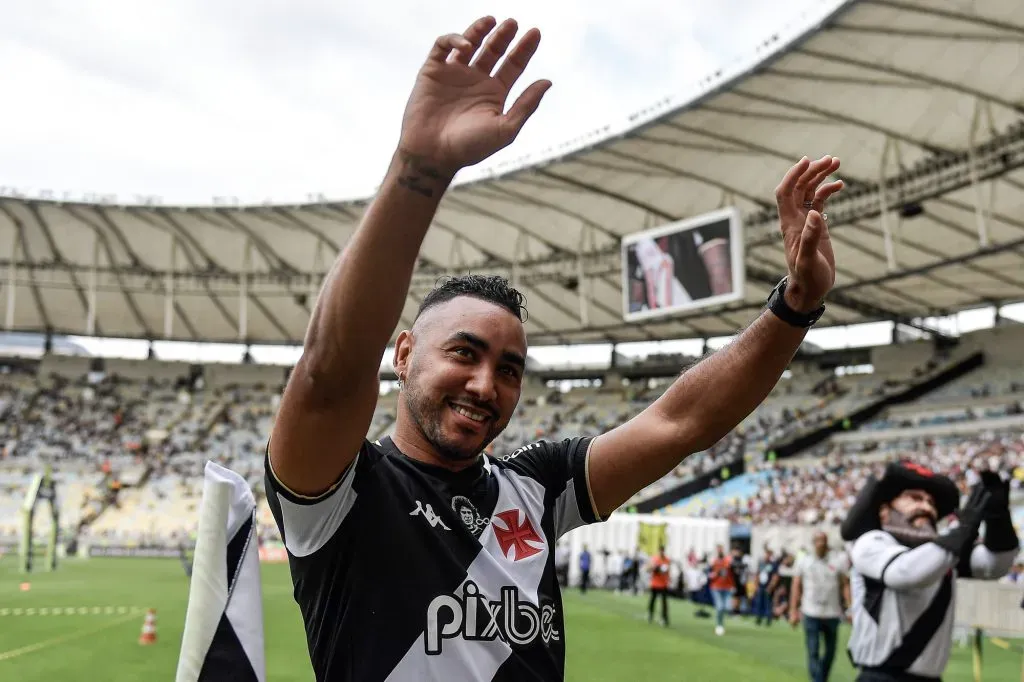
pixel 474 617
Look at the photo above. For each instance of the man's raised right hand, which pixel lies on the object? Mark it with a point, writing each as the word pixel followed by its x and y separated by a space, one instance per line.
pixel 456 114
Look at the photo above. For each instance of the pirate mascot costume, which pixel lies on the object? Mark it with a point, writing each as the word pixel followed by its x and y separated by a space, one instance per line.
pixel 904 571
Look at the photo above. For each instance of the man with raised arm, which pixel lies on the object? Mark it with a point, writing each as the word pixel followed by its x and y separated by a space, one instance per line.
pixel 904 570
pixel 417 557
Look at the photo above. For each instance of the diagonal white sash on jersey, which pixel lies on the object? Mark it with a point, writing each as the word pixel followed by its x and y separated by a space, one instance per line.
pixel 466 659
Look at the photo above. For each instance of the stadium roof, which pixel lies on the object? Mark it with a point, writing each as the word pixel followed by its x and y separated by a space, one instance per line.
pixel 926 95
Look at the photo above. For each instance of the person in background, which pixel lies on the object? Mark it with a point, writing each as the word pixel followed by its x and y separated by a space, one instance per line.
pixel 767 581
pixel 183 557
pixel 1015 576
pixel 696 580
pixel 722 583
pixel 584 570
pixel 563 555
pixel 820 589
pixel 627 567
pixel 632 576
pixel 660 572
pixel 599 568
pixel 613 567
pixel 782 592
pixel 739 574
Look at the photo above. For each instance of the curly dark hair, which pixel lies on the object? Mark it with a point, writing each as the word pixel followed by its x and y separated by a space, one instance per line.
pixel 491 288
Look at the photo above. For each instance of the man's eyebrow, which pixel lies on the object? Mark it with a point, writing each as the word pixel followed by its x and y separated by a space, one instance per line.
pixel 471 339
pixel 514 358
pixel 508 356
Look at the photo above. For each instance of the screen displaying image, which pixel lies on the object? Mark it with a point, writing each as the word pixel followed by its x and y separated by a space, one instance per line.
pixel 686 265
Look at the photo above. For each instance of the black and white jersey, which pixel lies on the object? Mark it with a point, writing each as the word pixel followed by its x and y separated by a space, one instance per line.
pixel 407 571
pixel 904 601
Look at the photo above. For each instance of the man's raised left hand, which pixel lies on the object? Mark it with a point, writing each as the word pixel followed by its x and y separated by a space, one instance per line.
pixel 801 198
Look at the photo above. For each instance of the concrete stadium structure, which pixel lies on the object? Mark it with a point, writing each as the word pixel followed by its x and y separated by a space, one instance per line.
pixel 921 102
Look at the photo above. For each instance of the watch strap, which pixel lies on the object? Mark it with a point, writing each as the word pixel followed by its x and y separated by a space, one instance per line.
pixel 777 304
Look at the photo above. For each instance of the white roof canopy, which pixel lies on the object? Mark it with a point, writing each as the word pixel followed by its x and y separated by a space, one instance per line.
pixel 924 95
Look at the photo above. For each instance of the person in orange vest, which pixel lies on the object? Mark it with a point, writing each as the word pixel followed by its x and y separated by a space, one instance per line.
pixel 660 568
pixel 723 584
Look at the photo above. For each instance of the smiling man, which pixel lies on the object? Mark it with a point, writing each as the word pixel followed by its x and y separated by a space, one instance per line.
pixel 904 574
pixel 417 557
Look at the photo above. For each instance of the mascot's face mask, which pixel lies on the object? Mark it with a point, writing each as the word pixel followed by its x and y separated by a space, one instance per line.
pixel 910 518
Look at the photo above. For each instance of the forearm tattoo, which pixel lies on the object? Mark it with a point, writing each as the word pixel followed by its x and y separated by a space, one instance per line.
pixel 418 174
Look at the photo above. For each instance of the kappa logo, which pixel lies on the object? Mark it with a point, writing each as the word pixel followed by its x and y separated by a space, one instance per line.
pixel 516 535
pixel 427 512
pixel 475 618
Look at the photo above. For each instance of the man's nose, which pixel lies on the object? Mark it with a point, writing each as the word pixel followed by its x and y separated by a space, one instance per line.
pixel 482 385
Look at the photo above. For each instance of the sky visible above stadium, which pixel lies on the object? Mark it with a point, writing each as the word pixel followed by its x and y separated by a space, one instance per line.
pixel 187 100
pixel 272 100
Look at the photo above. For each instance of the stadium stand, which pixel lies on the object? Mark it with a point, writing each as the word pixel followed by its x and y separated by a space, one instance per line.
pixel 969 424
pixel 131 437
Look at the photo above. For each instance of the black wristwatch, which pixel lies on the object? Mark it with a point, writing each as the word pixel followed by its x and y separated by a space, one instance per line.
pixel 777 304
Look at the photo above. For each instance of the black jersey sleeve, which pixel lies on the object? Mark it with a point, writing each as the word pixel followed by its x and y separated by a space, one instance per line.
pixel 563 470
pixel 308 523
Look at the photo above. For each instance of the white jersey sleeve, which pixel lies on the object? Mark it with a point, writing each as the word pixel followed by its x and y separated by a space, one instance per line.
pixel 989 565
pixel 878 555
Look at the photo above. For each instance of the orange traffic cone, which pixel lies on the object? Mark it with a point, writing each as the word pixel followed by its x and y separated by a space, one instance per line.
pixel 148 635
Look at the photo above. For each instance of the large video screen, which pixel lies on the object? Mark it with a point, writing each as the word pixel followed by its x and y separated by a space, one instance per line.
pixel 686 265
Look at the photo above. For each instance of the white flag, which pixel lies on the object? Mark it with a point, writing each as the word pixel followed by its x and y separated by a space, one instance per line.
pixel 223 637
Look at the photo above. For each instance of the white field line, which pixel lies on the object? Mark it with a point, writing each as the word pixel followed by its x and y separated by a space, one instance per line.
pixel 13 653
pixel 71 611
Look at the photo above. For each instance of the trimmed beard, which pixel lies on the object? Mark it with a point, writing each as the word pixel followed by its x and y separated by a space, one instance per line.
pixel 906 533
pixel 428 415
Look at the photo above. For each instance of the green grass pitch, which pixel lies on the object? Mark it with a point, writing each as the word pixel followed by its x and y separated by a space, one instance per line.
pixel 608 637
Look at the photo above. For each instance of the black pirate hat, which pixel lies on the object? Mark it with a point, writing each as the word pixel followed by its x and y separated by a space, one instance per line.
pixel 899 476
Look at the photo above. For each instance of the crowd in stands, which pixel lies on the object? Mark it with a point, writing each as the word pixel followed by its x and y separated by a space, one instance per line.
pixel 937 430
pixel 127 453
pixel 823 489
pixel 129 443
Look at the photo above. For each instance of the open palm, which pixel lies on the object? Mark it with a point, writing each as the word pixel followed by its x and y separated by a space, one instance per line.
pixel 456 113
pixel 801 198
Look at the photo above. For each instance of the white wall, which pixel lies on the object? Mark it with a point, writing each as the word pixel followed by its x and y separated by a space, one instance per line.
pixel 790 538
pixel 619 534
